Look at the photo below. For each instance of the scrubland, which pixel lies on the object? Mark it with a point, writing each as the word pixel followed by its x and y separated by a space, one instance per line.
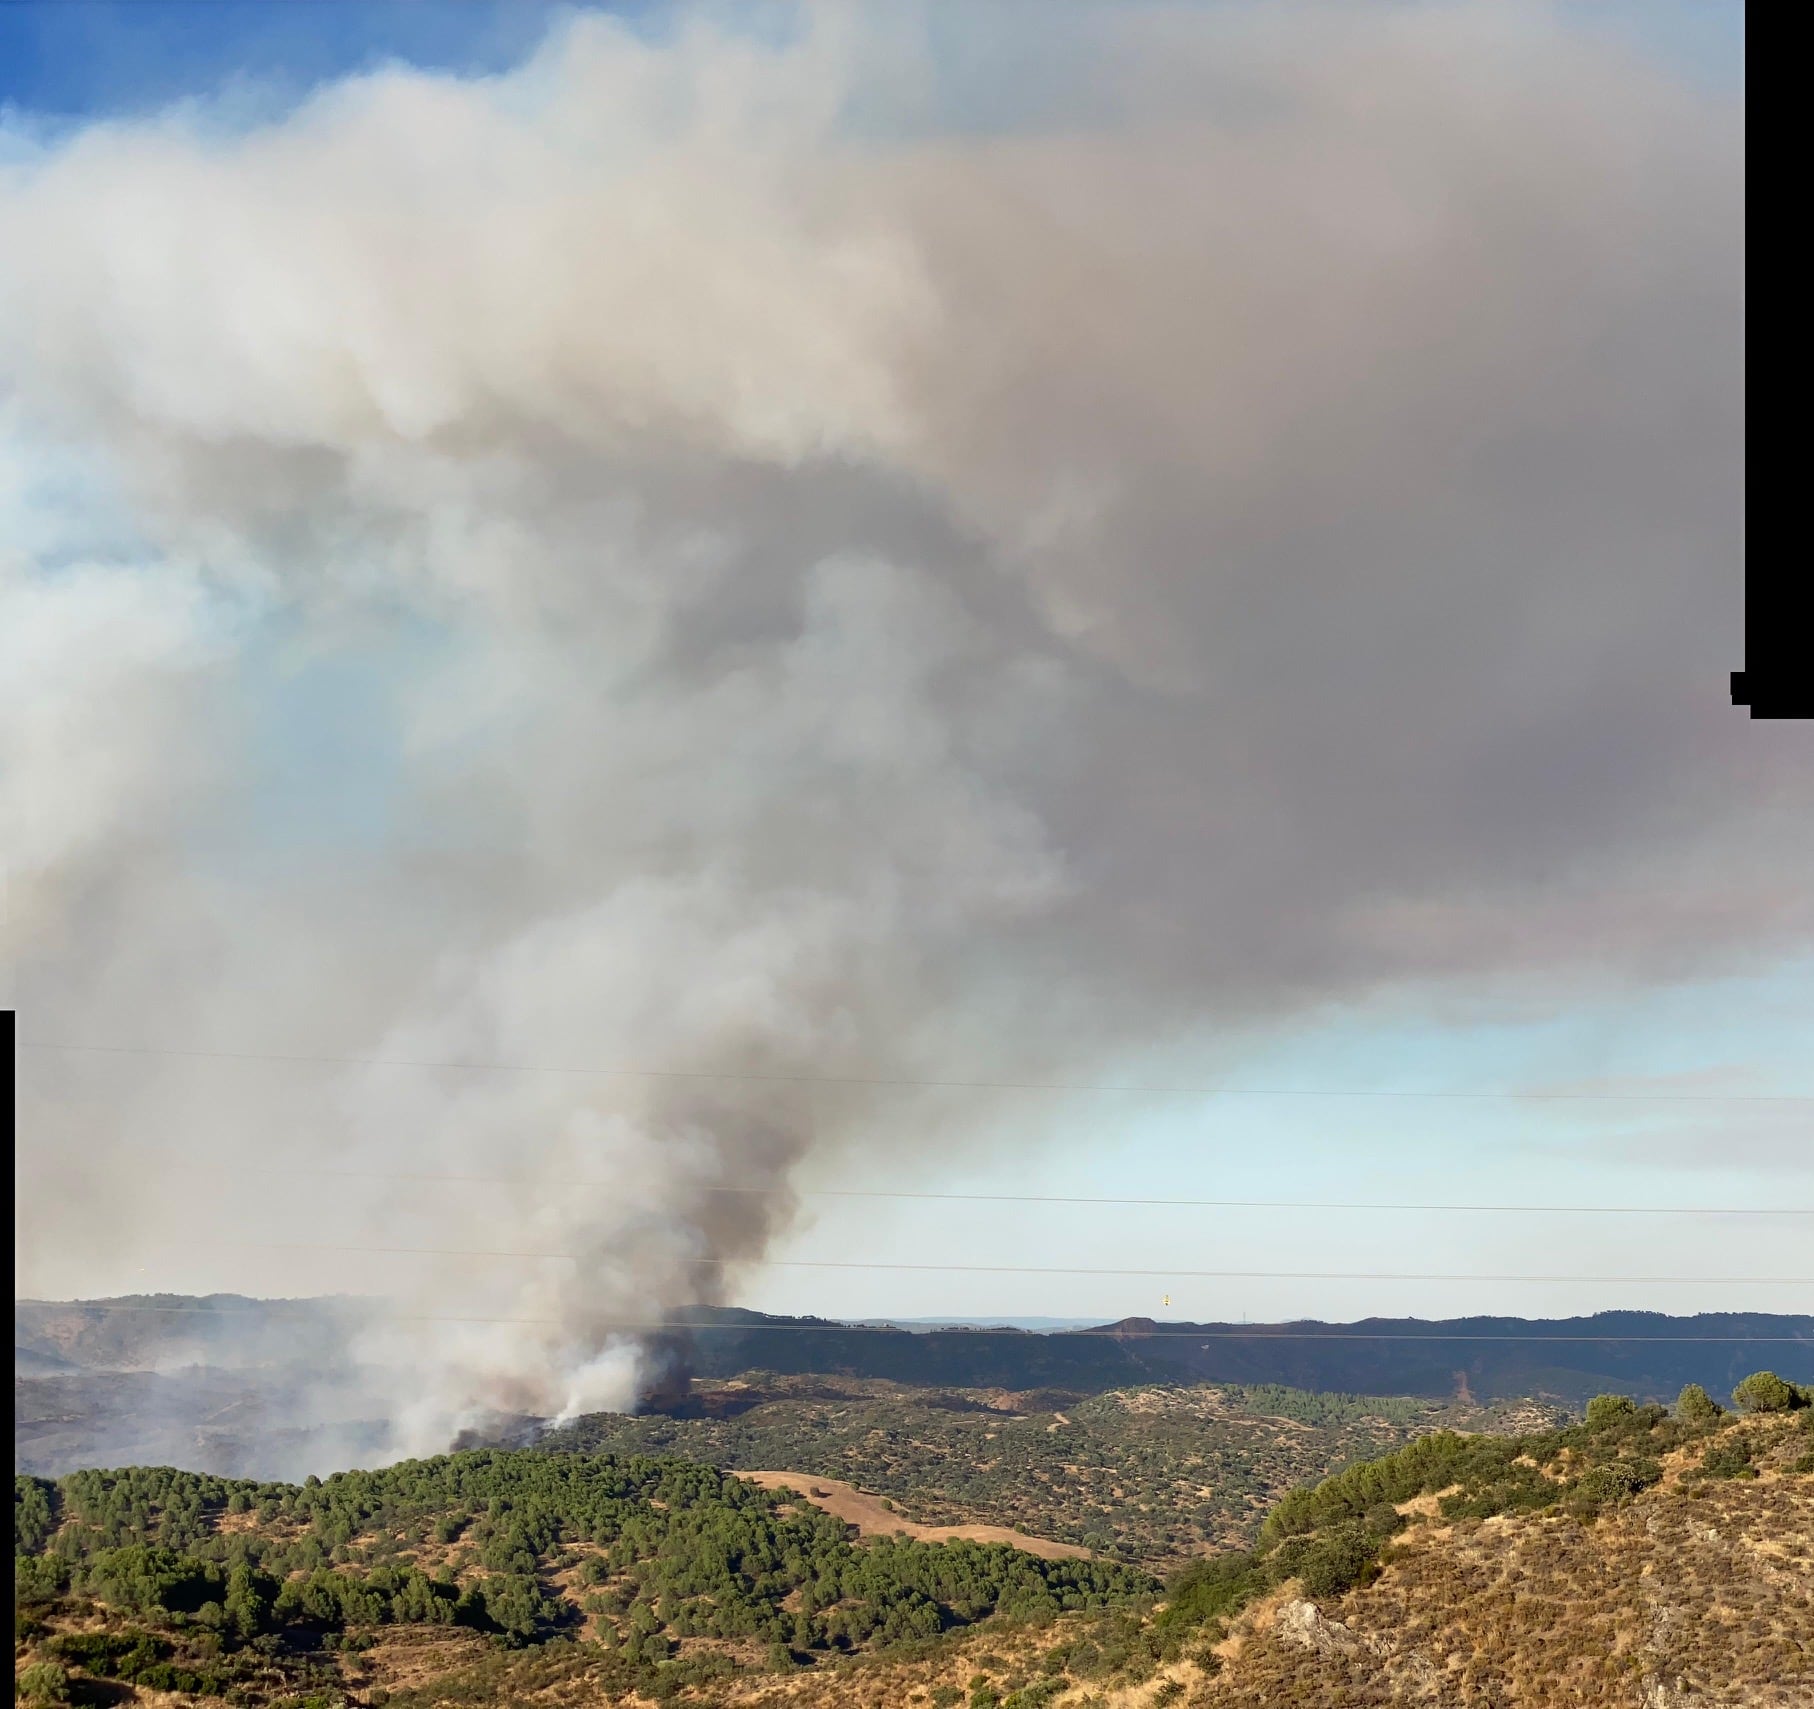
pixel 1651 1557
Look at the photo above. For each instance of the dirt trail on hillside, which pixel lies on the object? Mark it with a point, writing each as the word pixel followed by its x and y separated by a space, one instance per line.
pixel 845 1501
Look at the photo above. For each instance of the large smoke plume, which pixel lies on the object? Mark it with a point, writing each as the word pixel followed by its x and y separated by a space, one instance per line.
pixel 742 564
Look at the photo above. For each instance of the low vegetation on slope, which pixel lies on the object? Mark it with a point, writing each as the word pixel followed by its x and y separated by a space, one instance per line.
pixel 1638 1554
pixel 1671 1564
pixel 1155 1475
pixel 1330 1536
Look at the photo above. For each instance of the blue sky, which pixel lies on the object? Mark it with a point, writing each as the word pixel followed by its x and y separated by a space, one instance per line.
pixel 1747 1034
pixel 91 58
pixel 1680 1074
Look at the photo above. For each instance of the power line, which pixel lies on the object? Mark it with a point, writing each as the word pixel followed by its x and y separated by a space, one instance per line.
pixel 1004 1269
pixel 903 1082
pixel 1106 1332
pixel 1287 1204
pixel 294 1170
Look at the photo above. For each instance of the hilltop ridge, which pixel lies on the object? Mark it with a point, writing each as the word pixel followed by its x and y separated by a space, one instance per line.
pixel 1647 1354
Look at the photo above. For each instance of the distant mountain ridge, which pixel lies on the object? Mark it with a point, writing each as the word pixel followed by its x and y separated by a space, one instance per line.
pixel 1646 1354
pixel 148 1332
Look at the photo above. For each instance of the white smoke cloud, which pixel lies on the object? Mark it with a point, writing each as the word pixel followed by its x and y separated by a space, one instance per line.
pixel 98 669
pixel 845 599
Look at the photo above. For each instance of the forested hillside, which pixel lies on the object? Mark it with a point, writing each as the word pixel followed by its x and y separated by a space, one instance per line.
pixel 672 1572
pixel 1641 1551
pixel 1154 1475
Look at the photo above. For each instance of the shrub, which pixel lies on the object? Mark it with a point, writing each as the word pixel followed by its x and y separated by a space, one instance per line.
pixel 38 1579
pixel 1207 1589
pixel 1599 1486
pixel 1040 1693
pixel 34 1514
pixel 149 1579
pixel 1730 1458
pixel 1765 1391
pixel 1336 1562
pixel 113 1655
pixel 1610 1409
pixel 43 1682
pixel 1695 1406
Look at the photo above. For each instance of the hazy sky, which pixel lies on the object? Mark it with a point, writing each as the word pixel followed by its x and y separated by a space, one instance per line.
pixel 1120 547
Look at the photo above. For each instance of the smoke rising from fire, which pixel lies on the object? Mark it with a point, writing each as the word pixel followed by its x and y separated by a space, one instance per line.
pixel 709 559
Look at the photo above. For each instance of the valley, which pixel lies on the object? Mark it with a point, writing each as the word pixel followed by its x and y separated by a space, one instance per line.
pixel 1155 1475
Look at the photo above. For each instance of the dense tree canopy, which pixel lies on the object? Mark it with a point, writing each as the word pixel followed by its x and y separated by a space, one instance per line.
pixel 1765 1391
pixel 663 1551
